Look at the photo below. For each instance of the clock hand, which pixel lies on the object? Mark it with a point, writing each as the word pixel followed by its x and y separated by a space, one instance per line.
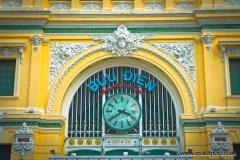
pixel 126 113
pixel 111 118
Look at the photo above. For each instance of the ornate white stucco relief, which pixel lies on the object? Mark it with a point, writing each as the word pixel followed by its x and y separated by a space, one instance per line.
pixel 2 115
pixel 153 6
pixel 122 42
pixel 59 6
pixel 185 5
pixel 232 50
pixel 91 7
pixel 25 147
pixel 61 53
pixel 220 142
pixel 122 7
pixel 11 4
pixel 9 52
pixel 36 41
pixel 183 53
pixel 208 40
pixel 231 2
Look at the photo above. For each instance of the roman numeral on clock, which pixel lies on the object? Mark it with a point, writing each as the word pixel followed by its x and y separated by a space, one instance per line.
pixel 115 100
pixel 114 124
pixel 110 105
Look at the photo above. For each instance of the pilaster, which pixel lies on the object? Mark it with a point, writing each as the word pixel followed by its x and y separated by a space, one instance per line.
pixel 106 6
pixel 206 4
pixel 38 5
pixel 170 5
pixel 209 70
pixel 34 89
pixel 218 4
pixel 200 76
pixel 74 6
pixel 138 6
pixel 26 5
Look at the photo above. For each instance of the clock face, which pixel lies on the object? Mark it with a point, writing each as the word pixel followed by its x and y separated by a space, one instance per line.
pixel 121 112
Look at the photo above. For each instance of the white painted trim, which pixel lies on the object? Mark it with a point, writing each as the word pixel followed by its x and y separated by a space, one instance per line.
pixel 1 134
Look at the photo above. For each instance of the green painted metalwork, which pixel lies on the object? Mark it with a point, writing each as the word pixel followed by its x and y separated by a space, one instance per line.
pixel 111 30
pixel 210 123
pixel 39 124
pixel 5 27
pixel 221 26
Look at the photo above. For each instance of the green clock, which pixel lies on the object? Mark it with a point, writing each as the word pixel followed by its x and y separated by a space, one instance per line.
pixel 121 112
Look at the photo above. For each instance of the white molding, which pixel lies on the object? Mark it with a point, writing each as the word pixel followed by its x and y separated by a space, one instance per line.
pixel 11 3
pixel 22 22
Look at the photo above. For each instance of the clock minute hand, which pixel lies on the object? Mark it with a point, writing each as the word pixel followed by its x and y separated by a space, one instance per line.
pixel 126 113
pixel 111 118
pixel 123 112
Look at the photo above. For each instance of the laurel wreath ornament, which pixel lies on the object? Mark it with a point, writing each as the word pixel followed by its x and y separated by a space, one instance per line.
pixel 155 141
pixel 172 141
pixel 97 142
pixel 80 142
pixel 71 142
pixel 89 142
pixel 146 141
pixel 163 141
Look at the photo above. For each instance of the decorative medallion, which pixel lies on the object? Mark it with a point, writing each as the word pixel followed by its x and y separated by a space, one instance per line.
pixel 183 53
pixel 122 7
pixel 163 141
pixel 80 142
pixel 146 141
pixel 231 2
pixel 88 142
pixel 122 42
pixel 185 5
pixel 2 115
pixel 61 53
pixel 153 6
pixel 71 142
pixel 11 4
pixel 59 6
pixel 91 7
pixel 208 40
pixel 36 41
pixel 155 141
pixel 97 142
pixel 172 141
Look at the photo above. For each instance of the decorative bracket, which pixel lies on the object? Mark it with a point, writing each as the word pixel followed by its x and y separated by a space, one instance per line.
pixel 220 142
pixel 229 47
pixel 207 39
pixel 36 41
pixel 23 144
pixel 8 49
pixel 2 115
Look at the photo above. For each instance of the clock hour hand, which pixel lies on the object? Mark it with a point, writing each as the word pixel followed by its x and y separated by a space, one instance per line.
pixel 111 118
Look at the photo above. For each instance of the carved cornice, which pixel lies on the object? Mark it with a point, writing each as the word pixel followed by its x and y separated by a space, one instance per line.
pixel 183 53
pixel 61 53
pixel 122 42
pixel 8 49
pixel 229 47
pixel 36 41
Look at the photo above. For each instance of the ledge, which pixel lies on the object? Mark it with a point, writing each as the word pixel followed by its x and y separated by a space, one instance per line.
pixel 232 97
pixel 26 12
pixel 13 44
pixel 214 11
pixel 229 43
pixel 8 97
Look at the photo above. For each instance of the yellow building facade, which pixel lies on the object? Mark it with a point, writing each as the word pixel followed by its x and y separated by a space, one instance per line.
pixel 147 79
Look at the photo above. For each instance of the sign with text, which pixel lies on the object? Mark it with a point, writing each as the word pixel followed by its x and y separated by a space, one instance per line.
pixel 128 76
